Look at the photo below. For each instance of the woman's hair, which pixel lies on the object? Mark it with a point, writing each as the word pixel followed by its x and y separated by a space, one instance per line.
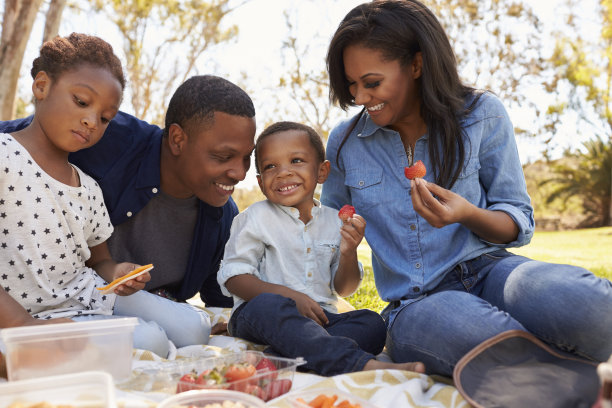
pixel 313 136
pixel 196 100
pixel 399 29
pixel 63 54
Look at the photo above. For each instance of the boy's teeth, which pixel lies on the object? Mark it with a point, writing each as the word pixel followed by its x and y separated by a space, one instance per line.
pixel 376 107
pixel 286 188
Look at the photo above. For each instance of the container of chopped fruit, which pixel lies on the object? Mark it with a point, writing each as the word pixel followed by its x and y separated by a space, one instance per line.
pixel 90 389
pixel 251 372
pixel 212 399
pixel 326 397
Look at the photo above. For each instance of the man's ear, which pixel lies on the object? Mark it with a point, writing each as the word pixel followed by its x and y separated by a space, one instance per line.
pixel 41 85
pixel 323 172
pixel 177 139
pixel 417 65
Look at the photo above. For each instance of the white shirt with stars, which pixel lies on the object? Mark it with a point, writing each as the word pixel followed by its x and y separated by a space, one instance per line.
pixel 46 230
pixel 271 242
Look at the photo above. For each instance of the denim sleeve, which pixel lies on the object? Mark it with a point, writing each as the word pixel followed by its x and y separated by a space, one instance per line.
pixel 243 251
pixel 335 193
pixel 501 173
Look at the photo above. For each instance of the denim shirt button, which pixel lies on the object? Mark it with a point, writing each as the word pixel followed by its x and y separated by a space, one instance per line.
pixel 416 289
pixel 417 265
pixel 361 183
pixel 412 227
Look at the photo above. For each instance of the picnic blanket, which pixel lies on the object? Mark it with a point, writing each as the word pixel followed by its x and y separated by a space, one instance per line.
pixel 385 388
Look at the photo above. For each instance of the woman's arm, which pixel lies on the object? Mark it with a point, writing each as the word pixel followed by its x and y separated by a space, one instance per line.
pixel 493 226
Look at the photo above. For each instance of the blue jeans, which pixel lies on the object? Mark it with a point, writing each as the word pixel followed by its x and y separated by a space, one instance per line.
pixel 160 320
pixel 565 306
pixel 344 345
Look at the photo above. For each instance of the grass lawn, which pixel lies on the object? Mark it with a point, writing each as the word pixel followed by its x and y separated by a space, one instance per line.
pixel 590 248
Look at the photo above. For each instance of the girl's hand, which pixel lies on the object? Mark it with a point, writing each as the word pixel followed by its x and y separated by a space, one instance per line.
pixel 131 286
pixel 443 209
pixel 352 232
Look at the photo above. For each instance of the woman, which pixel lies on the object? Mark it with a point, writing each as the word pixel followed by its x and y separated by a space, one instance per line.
pixel 439 242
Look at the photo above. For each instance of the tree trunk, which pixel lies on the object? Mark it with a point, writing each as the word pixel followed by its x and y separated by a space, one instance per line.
pixel 17 22
pixel 53 19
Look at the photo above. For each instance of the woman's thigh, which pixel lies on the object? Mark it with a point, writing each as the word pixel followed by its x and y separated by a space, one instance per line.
pixel 564 305
pixel 440 328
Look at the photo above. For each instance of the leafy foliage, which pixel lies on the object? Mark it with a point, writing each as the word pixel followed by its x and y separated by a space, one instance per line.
pixel 587 175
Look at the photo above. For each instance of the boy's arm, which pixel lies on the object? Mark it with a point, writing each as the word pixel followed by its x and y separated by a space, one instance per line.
pixel 104 265
pixel 348 276
pixel 247 286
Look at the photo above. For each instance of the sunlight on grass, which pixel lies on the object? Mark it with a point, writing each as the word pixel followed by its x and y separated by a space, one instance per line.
pixel 590 248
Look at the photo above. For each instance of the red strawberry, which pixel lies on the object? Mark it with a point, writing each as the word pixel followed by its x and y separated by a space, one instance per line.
pixel 416 170
pixel 346 212
pixel 266 365
pixel 277 388
pixel 187 383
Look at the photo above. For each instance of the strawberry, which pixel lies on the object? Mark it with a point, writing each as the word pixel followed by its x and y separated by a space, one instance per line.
pixel 187 382
pixel 416 170
pixel 277 388
pixel 266 365
pixel 346 212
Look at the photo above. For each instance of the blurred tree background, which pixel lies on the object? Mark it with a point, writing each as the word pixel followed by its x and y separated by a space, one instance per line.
pixel 554 78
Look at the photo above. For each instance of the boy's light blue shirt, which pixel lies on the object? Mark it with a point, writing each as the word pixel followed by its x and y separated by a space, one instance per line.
pixel 271 242
pixel 409 256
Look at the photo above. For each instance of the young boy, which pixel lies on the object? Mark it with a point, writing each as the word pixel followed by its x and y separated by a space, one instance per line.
pixel 289 257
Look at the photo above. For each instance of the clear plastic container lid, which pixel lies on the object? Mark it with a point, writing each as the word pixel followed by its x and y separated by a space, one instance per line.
pixel 51 331
pixel 92 389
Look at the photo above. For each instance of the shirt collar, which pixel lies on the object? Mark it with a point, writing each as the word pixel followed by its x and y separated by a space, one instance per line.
pixel 366 127
pixel 149 173
pixel 295 214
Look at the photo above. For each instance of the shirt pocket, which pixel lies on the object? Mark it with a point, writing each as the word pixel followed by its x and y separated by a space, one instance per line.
pixel 468 183
pixel 325 253
pixel 365 186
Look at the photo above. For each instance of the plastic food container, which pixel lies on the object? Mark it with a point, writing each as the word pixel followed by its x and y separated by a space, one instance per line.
pixel 264 384
pixel 202 398
pixel 301 399
pixel 91 389
pixel 63 348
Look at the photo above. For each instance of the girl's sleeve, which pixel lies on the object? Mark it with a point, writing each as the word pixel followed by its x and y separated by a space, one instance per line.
pixel 335 193
pixel 243 251
pixel 501 173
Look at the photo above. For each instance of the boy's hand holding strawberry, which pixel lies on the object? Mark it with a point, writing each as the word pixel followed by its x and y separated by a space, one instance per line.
pixel 352 230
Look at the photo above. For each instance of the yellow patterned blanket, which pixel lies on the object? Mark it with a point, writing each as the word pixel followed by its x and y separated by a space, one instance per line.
pixel 384 388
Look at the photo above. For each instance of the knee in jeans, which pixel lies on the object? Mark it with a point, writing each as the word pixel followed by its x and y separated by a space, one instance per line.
pixel 195 328
pixel 149 336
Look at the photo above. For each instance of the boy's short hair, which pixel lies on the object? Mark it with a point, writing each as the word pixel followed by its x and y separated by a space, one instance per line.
pixel 199 97
pixel 313 136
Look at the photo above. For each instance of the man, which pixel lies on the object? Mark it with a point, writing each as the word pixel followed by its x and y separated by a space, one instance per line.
pixel 168 190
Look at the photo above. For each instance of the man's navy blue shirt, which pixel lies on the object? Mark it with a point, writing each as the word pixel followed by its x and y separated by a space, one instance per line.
pixel 126 165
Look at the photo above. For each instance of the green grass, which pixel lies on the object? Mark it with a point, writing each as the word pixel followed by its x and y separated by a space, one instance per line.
pixel 590 248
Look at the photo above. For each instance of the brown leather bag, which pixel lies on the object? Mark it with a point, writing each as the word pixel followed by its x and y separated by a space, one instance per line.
pixel 517 370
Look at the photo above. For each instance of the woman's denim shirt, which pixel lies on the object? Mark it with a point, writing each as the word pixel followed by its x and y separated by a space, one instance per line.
pixel 409 256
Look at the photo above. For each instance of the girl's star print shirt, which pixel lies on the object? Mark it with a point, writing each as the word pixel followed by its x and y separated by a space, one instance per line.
pixel 46 230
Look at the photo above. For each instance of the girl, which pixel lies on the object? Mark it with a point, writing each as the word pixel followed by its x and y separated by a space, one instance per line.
pixel 53 221
pixel 439 242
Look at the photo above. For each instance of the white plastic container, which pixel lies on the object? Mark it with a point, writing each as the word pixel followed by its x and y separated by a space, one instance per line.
pixel 202 398
pixel 91 389
pixel 63 348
